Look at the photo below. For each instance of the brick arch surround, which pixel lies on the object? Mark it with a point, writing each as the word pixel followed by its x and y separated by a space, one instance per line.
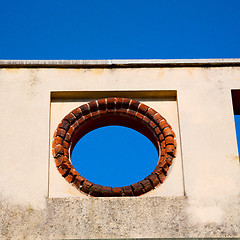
pixel 113 111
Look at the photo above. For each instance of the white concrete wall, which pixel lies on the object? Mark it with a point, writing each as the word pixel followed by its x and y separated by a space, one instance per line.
pixel 208 205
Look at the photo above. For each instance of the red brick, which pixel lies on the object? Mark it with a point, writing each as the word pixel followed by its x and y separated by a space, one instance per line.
pixel 70 118
pixel 146 120
pixel 106 191
pixel 119 110
pixel 60 160
pixel 163 152
pixel 175 143
pixel 96 190
pixel 74 172
pixel 169 140
pixel 139 115
pixel 157 118
pixel 65 152
pixel 64 124
pixel 125 103
pixel 170 149
pixel 85 109
pixel 157 130
pixel 93 106
pixel 69 178
pixel 162 124
pixel 131 112
pixel 68 137
pixel 160 175
pixel 169 160
pixel 71 130
pixel 78 181
pixel 86 186
pixel 75 126
pixel 102 104
pixel 167 132
pixel 61 132
pixel 117 192
pixel 63 171
pixel 152 124
pixel 118 103
pixel 163 164
pixel 146 185
pixel 81 120
pixel 77 112
pixel 58 150
pixel 161 137
pixel 162 159
pixel 102 112
pixel 150 113
pixel 89 115
pixel 137 189
pixel 174 153
pixel 127 191
pixel 134 105
pixel 67 165
pixel 153 179
pixel 56 141
pixel 110 103
pixel 142 108
pixel 164 167
pixel 95 114
pixel 124 110
pixel 156 168
pixel 66 144
pixel 163 144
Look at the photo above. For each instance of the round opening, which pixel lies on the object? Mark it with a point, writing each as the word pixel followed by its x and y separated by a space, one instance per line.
pixel 111 112
pixel 114 156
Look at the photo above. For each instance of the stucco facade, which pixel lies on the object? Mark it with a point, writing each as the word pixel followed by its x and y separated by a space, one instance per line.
pixel 201 194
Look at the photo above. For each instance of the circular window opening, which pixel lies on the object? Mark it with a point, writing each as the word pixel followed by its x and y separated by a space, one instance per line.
pixel 109 112
pixel 114 156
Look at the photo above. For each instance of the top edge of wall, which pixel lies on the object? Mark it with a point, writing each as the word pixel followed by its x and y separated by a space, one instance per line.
pixel 128 63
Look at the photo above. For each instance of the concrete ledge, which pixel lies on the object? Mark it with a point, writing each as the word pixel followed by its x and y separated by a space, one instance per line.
pixel 115 63
pixel 133 218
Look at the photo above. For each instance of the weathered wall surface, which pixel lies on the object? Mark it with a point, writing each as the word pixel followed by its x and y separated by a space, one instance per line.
pixel 209 205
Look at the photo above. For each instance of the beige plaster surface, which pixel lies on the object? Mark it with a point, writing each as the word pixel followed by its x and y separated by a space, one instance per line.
pixel 210 164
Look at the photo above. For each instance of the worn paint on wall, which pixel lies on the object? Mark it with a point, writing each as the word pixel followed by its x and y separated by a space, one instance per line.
pixel 211 172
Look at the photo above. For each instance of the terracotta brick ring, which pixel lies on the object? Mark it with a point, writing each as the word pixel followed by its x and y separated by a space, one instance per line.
pixel 113 111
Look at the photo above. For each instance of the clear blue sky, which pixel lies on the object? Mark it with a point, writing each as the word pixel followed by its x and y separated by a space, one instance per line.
pixel 121 156
pixel 119 29
pixel 126 29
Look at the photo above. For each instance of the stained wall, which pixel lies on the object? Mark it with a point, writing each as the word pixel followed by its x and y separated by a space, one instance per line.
pixel 202 198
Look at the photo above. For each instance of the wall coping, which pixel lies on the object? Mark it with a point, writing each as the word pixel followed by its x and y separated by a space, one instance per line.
pixel 120 63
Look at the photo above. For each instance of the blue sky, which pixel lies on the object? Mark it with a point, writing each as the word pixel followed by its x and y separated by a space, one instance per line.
pixel 126 29
pixel 119 29
pixel 123 157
